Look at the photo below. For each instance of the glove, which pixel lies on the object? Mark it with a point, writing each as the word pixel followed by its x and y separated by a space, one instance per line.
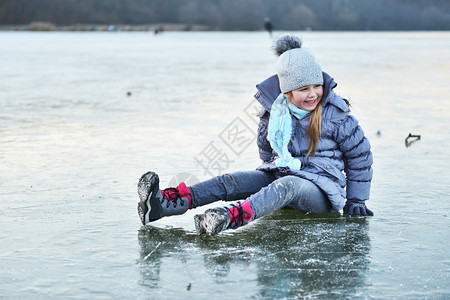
pixel 357 208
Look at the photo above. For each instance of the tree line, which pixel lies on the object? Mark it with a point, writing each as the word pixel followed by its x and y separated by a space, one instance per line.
pixel 237 14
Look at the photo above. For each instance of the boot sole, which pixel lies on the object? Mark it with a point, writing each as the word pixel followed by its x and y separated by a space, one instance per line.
pixel 214 222
pixel 198 221
pixel 149 208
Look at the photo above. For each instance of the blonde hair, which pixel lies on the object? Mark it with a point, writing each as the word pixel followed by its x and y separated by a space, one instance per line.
pixel 314 127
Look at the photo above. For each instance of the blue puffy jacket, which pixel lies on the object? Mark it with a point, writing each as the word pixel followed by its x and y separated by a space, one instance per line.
pixel 342 146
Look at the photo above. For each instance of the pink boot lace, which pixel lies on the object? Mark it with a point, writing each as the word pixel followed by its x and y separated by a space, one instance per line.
pixel 180 192
pixel 240 214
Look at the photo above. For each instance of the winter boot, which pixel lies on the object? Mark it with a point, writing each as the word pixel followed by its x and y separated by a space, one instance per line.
pixel 155 203
pixel 218 219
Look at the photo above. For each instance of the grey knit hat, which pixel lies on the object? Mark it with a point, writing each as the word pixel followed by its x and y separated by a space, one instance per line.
pixel 296 66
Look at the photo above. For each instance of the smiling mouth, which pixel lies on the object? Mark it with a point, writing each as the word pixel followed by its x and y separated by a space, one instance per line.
pixel 311 101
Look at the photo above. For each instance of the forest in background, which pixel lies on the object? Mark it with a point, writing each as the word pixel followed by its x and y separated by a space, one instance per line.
pixel 236 14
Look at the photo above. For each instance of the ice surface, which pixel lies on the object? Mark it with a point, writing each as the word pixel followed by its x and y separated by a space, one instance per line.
pixel 73 144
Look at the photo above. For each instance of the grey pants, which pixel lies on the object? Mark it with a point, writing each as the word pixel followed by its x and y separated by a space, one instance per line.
pixel 265 191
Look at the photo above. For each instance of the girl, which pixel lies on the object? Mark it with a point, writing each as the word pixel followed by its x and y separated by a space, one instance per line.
pixel 306 140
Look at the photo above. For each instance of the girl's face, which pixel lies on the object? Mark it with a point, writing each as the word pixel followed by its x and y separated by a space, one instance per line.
pixel 306 97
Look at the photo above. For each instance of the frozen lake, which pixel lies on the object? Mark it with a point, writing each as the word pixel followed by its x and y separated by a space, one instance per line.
pixel 73 145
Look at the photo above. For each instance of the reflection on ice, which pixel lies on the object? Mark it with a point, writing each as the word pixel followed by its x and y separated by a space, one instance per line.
pixel 284 255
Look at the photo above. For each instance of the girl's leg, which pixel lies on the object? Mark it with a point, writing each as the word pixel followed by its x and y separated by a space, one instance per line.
pixel 155 203
pixel 229 187
pixel 292 191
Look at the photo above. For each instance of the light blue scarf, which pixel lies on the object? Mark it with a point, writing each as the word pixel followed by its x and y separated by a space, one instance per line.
pixel 279 132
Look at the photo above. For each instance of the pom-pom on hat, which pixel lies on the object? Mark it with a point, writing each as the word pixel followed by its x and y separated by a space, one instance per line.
pixel 296 66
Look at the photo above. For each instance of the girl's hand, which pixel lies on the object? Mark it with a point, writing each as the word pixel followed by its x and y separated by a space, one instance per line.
pixel 357 208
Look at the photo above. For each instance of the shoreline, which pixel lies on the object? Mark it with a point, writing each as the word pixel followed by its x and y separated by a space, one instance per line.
pixel 156 28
